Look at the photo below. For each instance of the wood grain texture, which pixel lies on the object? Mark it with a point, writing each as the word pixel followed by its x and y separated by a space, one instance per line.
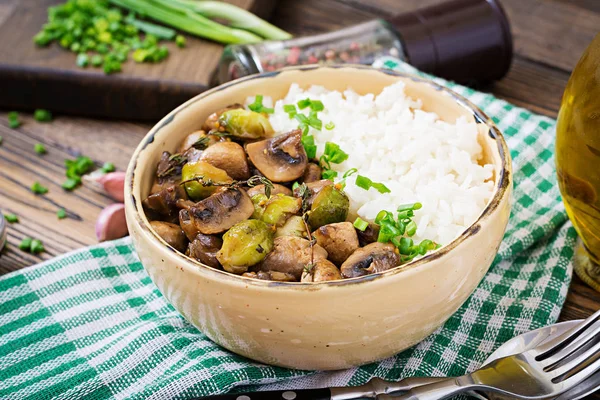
pixel 549 38
pixel 31 76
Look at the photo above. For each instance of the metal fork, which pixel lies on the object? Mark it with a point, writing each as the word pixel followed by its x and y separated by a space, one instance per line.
pixel 543 372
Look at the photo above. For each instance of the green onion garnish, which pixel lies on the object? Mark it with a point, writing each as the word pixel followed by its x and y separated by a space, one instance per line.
pixel 351 171
pixel 330 125
pixel 295 186
pixel 365 183
pixel 360 224
pixel 290 109
pixel 37 188
pixel 108 167
pixel 308 141
pixel 314 121
pixel 258 107
pixel 42 115
pixel 411 228
pixel 411 206
pixel 61 213
pixel 302 104
pixel 11 218
pixel 83 60
pixel 13 120
pixel 39 148
pixel 329 174
pixel 316 105
pixel 25 244
pixel 180 41
pixel 71 184
pixel 36 246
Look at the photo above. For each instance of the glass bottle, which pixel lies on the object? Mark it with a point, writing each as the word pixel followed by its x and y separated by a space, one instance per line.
pixel 578 158
pixel 462 40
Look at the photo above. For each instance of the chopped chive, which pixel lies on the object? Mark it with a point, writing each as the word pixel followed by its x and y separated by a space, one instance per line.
pixel 290 109
pixel 308 141
pixel 37 188
pixel 83 60
pixel 380 187
pixel 39 148
pixel 25 244
pixel 13 120
pixel 61 213
pixel 108 167
pixel 11 218
pixel 329 174
pixel 411 228
pixel 96 60
pixel 363 182
pixel 41 115
pixel 70 184
pixel 303 119
pixel 302 104
pixel 405 245
pixel 410 206
pixel 258 107
pixel 180 41
pixel 316 105
pixel 350 172
pixel 330 125
pixel 36 246
pixel 314 121
pixel 360 224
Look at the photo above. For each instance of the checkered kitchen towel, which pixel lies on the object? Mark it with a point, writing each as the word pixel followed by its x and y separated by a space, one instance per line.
pixel 91 325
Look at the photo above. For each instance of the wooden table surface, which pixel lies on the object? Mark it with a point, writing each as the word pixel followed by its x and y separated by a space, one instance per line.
pixel 549 37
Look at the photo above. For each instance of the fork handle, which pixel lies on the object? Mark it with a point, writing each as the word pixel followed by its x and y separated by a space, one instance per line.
pixel 435 391
pixel 302 394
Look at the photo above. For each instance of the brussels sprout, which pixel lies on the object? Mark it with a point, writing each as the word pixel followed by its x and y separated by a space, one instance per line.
pixel 259 200
pixel 279 208
pixel 245 124
pixel 294 226
pixel 247 243
pixel 196 190
pixel 329 206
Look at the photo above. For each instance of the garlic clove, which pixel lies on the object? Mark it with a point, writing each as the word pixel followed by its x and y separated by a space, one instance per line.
pixel 111 223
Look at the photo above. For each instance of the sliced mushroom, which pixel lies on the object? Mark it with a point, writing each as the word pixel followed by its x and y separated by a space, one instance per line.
pixel 339 239
pixel 212 122
pixel 290 255
pixel 163 204
pixel 369 235
pixel 375 257
pixel 277 189
pixel 204 248
pixel 314 188
pixel 270 276
pixel 228 156
pixel 221 211
pixel 189 228
pixel 322 271
pixel 312 173
pixel 169 167
pixel 282 158
pixel 171 233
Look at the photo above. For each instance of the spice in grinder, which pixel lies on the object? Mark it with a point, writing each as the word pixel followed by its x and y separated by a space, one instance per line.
pixel 462 40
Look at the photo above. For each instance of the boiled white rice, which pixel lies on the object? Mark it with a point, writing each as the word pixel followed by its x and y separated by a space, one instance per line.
pixel 420 158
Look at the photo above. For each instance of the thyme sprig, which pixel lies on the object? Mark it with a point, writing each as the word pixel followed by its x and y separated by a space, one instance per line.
pixel 251 182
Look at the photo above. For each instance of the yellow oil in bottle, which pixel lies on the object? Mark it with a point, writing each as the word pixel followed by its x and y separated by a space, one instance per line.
pixel 578 157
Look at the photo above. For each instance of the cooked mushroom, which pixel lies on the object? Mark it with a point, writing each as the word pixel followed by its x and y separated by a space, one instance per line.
pixel 290 255
pixel 221 211
pixel 198 190
pixel 282 158
pixel 313 188
pixel 244 245
pixel 294 226
pixel 329 206
pixel 369 235
pixel 312 173
pixel 163 204
pixel 339 239
pixel 375 257
pixel 192 154
pixel 204 248
pixel 171 233
pixel 169 166
pixel 228 156
pixel 245 124
pixel 321 271
pixel 189 228
pixel 277 189
pixel 270 276
pixel 212 122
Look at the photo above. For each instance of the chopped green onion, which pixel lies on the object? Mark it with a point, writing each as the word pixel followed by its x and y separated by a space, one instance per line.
pixel 314 121
pixel 61 213
pixel 387 231
pixel 25 244
pixel 37 188
pixel 11 218
pixel 42 115
pixel 360 224
pixel 180 41
pixel 329 174
pixel 363 182
pixel 316 105
pixel 258 107
pixel 335 154
pixel 70 184
pixel 384 215
pixel 308 141
pixel 36 246
pixel 290 109
pixel 108 167
pixel 39 148
pixel 330 125
pixel 411 228
pixel 405 245
pixel 402 215
pixel 302 104
pixel 97 60
pixel 83 60
pixel 13 120
pixel 351 171
pixel 380 187
pixel 410 206
pixel 295 186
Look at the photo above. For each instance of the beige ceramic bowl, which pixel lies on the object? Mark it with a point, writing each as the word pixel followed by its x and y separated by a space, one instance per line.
pixel 329 325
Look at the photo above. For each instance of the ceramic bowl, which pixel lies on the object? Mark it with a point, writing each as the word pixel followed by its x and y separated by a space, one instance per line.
pixel 327 325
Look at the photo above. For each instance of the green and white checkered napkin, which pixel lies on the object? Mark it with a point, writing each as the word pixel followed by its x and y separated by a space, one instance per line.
pixel 91 324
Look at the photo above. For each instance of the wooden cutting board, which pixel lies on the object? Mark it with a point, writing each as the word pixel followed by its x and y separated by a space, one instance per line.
pixel 33 77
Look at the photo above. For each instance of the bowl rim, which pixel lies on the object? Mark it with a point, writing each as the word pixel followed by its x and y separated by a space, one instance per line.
pixel 502 188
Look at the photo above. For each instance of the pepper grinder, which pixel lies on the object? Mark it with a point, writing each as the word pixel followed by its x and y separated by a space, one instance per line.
pixel 467 41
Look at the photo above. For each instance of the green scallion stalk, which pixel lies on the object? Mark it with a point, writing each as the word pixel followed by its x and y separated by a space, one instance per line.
pixel 360 224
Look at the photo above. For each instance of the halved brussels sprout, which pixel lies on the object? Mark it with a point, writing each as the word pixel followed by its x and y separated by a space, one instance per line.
pixel 260 201
pixel 196 190
pixel 294 226
pixel 247 243
pixel 329 206
pixel 279 208
pixel 246 124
